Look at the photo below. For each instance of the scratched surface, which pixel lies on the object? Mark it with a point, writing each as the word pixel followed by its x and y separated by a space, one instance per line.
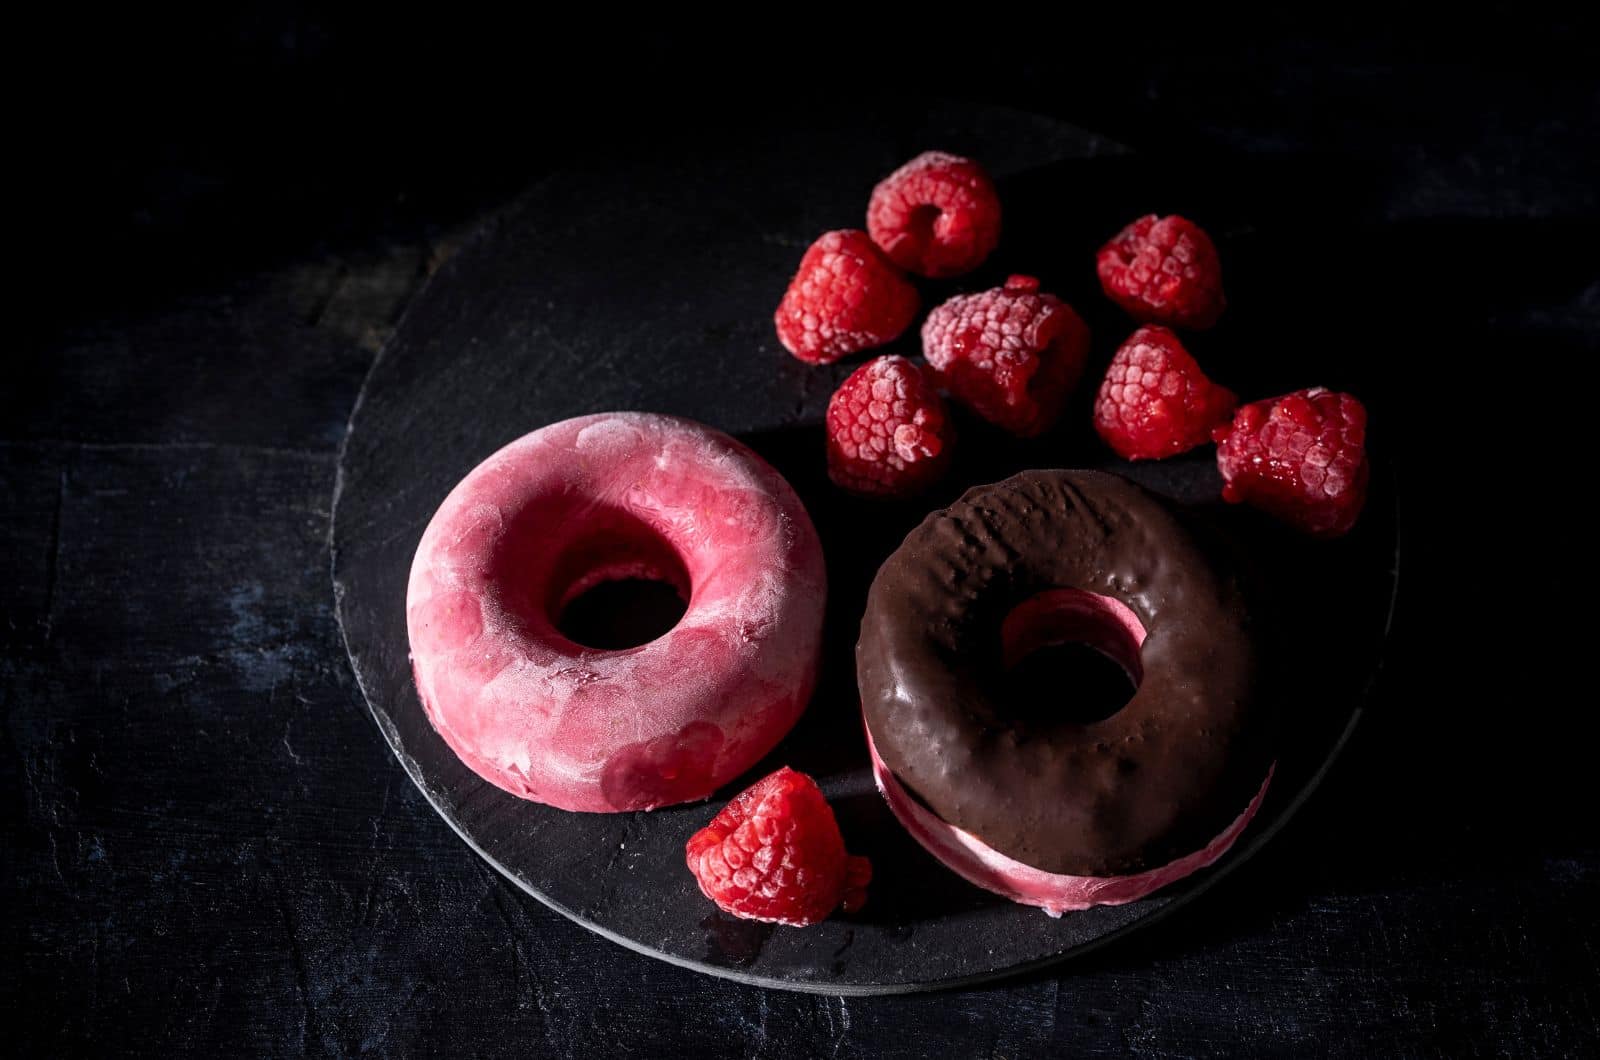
pixel 205 847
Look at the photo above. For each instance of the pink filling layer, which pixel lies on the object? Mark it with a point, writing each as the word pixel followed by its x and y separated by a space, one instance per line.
pixel 1054 617
pixel 979 864
pixel 592 499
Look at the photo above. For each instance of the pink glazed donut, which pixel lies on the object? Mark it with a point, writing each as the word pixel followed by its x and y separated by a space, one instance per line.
pixel 595 499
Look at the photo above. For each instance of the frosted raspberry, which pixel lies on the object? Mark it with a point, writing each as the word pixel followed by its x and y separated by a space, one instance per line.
pixel 1155 401
pixel 775 854
pixel 845 298
pixel 888 432
pixel 937 215
pixel 1301 457
pixel 1163 270
pixel 1012 354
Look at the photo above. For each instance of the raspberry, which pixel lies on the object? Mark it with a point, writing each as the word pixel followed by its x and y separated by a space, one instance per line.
pixel 1301 457
pixel 937 215
pixel 1010 353
pixel 1155 400
pixel 846 297
pixel 888 432
pixel 775 854
pixel 1163 271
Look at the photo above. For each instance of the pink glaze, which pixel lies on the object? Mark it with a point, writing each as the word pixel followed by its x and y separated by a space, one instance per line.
pixel 1053 617
pixel 616 495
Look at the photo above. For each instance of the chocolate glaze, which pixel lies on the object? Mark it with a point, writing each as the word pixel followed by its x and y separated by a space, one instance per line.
pixel 1154 781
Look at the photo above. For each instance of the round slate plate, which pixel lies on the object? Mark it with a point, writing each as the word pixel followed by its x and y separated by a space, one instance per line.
pixel 650 284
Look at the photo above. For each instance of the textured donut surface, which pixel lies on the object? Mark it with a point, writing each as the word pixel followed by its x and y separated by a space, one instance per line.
pixel 597 498
pixel 1161 778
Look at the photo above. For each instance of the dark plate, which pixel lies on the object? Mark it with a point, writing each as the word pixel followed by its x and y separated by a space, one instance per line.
pixel 650 285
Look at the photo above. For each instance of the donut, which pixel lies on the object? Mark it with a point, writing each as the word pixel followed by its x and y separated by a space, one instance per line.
pixel 597 499
pixel 1035 804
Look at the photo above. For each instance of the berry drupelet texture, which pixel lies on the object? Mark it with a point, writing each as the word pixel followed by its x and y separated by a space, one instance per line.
pixel 888 432
pixel 1012 354
pixel 938 215
pixel 1155 401
pixel 846 297
pixel 1301 457
pixel 1163 270
pixel 775 854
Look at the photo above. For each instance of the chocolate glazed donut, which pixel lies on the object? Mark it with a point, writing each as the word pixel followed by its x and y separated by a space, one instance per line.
pixel 1156 780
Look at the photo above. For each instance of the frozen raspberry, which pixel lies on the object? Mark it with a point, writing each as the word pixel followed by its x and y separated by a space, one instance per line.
pixel 1301 457
pixel 937 215
pixel 1011 353
pixel 1155 401
pixel 846 297
pixel 1163 270
pixel 888 433
pixel 775 854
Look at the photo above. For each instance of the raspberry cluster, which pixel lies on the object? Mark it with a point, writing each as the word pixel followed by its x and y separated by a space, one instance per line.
pixel 1012 354
pixel 1300 457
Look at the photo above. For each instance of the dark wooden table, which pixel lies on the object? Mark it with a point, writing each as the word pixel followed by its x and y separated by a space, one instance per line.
pixel 207 846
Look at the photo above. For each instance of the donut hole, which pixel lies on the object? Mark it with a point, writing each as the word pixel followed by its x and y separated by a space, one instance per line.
pixel 617 584
pixel 1071 656
pixel 618 588
pixel 621 613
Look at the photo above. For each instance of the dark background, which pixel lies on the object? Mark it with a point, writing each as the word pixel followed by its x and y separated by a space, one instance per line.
pixel 207 845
